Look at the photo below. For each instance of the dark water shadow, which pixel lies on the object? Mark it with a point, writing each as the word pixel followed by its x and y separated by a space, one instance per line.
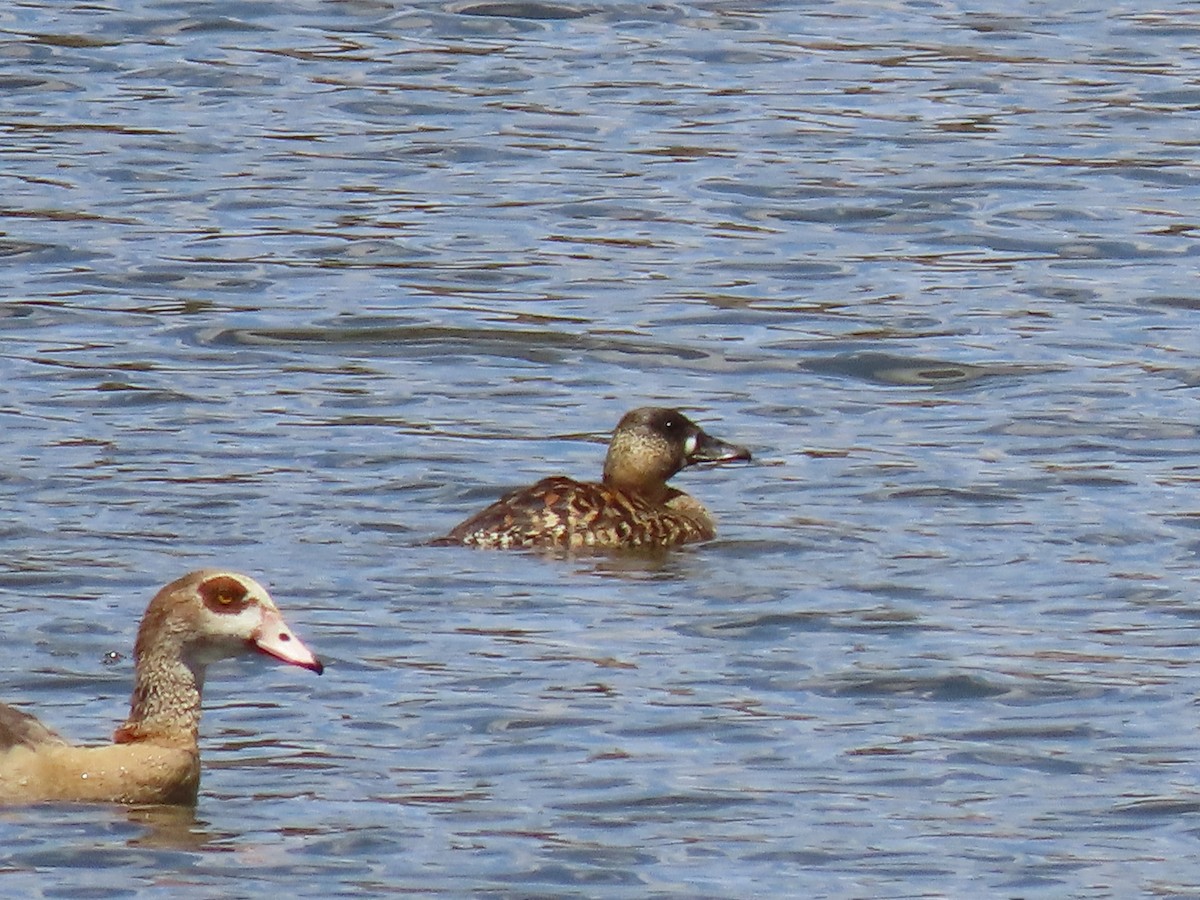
pixel 892 369
pixel 519 10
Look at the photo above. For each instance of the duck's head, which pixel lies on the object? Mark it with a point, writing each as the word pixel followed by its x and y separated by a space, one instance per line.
pixel 651 444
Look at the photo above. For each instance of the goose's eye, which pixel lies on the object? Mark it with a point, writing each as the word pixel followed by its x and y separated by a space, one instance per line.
pixel 224 594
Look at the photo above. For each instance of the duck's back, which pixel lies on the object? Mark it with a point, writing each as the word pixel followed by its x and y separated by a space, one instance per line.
pixel 561 512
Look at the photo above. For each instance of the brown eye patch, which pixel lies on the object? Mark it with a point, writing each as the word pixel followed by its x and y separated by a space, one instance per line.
pixel 224 594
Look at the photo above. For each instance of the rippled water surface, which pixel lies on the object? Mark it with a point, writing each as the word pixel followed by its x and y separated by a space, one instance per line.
pixel 294 287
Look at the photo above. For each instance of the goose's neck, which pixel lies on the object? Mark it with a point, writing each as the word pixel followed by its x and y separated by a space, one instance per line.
pixel 165 706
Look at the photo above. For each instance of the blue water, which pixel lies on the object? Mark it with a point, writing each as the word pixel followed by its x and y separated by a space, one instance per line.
pixel 292 288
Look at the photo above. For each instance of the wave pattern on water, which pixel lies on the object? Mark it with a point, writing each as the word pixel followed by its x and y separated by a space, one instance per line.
pixel 293 288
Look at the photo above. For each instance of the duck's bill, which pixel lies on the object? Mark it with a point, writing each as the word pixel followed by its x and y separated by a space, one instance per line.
pixel 704 448
pixel 276 639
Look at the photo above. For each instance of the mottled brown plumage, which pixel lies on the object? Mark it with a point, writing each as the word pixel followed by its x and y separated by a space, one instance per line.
pixel 154 758
pixel 632 507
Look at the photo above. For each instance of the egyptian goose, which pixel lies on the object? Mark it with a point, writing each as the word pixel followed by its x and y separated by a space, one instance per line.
pixel 202 617
pixel 632 507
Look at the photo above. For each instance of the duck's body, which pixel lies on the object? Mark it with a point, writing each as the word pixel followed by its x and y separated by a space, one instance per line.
pixel 155 758
pixel 633 507
pixel 561 512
